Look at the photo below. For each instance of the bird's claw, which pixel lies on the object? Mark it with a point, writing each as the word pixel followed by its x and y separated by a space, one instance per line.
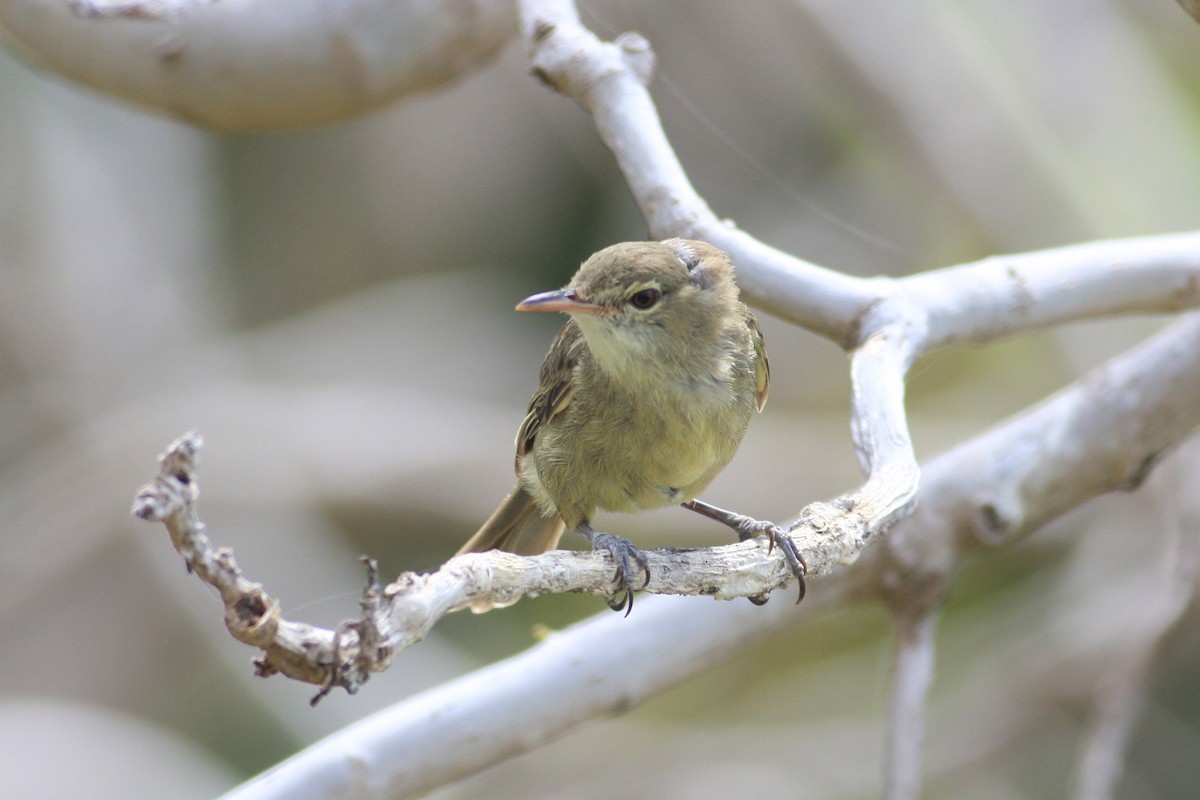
pixel 777 536
pixel 626 555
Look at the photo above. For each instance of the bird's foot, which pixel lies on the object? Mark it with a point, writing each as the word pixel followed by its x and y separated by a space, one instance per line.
pixel 748 528
pixel 626 556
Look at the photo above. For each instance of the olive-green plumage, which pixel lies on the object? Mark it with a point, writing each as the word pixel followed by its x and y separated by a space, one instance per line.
pixel 642 400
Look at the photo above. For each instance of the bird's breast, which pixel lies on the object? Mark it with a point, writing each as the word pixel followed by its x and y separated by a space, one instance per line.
pixel 623 450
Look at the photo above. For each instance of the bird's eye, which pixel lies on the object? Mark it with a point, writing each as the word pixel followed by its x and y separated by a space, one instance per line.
pixel 645 299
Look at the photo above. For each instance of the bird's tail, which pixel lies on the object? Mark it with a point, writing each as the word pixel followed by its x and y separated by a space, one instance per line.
pixel 516 526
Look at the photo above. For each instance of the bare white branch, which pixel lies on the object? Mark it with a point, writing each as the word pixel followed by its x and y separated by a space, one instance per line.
pixel 255 65
pixel 1004 295
pixel 880 427
pixel 915 629
pixel 1094 437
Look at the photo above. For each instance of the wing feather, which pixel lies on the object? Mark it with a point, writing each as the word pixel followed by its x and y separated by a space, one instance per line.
pixel 762 367
pixel 555 385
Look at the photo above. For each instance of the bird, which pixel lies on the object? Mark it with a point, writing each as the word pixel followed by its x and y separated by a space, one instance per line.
pixel 643 398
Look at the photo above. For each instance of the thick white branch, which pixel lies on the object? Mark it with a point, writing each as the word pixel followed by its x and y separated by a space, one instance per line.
pixel 1105 432
pixel 880 426
pixel 257 64
pixel 1003 295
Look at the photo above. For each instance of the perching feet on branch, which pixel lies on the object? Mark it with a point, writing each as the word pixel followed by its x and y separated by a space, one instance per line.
pixel 748 528
pixel 626 555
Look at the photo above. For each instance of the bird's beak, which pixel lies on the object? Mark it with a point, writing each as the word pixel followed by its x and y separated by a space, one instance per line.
pixel 565 300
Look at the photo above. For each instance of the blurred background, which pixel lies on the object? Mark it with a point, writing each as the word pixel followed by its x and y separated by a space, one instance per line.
pixel 332 310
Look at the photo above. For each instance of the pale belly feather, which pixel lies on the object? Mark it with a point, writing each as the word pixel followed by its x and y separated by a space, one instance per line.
pixel 609 455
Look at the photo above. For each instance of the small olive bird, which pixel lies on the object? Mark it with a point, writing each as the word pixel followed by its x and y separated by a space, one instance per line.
pixel 642 400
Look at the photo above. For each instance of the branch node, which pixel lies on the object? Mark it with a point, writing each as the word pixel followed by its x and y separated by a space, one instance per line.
pixel 544 77
pixel 638 55
pixel 253 617
pixel 1140 471
pixel 991 525
pixel 361 646
pixel 263 668
pixel 542 29
pixel 996 517
pixel 374 629
pixel 819 516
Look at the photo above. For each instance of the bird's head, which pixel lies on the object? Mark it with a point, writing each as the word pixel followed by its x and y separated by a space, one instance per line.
pixel 647 300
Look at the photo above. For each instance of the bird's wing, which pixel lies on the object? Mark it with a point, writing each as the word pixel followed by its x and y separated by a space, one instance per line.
pixel 554 386
pixel 762 367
